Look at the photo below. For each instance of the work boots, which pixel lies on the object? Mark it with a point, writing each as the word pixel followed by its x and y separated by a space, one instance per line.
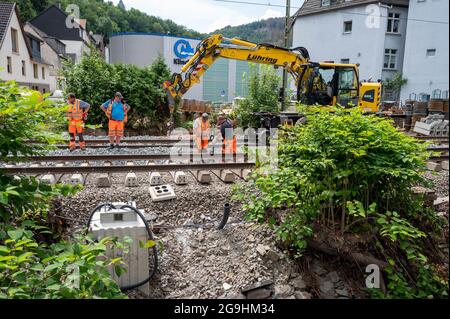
pixel 72 146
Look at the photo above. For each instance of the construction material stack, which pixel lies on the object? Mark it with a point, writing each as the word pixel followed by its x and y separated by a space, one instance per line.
pixel 432 125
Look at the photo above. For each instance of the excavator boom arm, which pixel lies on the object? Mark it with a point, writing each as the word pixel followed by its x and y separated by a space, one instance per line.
pixel 312 88
pixel 216 46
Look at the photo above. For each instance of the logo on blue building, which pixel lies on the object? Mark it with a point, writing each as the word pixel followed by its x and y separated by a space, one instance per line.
pixel 182 49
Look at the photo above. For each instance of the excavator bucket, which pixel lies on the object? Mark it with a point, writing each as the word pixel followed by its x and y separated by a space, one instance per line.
pixel 169 101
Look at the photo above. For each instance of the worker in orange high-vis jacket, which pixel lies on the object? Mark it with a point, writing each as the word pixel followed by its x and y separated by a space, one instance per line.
pixel 117 112
pixel 202 132
pixel 226 128
pixel 76 115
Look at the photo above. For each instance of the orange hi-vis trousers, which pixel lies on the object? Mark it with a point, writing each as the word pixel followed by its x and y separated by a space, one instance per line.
pixel 229 146
pixel 76 127
pixel 202 136
pixel 201 143
pixel 116 128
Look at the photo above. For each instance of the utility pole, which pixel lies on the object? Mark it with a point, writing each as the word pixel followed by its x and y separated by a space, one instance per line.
pixel 286 45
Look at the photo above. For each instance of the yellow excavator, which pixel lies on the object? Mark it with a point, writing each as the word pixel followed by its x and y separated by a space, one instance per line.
pixel 324 83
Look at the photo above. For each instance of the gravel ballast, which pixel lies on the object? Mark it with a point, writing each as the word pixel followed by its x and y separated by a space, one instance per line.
pixel 197 262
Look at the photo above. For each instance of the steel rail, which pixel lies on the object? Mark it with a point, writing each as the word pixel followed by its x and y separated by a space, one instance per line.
pixel 438 149
pixel 118 157
pixel 150 145
pixel 439 158
pixel 123 168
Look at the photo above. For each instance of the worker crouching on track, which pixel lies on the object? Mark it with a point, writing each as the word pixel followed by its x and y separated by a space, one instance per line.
pixel 226 128
pixel 202 132
pixel 116 110
pixel 76 114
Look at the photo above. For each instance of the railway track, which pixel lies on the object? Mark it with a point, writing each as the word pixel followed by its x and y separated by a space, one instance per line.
pixel 118 157
pixel 40 170
pixel 183 144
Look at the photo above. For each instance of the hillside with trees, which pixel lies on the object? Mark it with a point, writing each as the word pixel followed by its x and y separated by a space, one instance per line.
pixel 263 31
pixel 106 18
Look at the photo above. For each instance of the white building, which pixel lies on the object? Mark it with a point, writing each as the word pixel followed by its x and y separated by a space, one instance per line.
pixel 55 22
pixel 371 33
pixel 426 63
pixel 52 51
pixel 20 53
pixel 385 37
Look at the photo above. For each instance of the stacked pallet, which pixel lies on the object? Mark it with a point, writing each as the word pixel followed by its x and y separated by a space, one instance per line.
pixel 195 106
pixel 436 105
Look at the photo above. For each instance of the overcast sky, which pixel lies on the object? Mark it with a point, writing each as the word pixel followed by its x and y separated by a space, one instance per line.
pixel 209 15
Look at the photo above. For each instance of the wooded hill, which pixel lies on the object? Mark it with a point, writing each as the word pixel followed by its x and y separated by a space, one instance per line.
pixel 106 18
pixel 263 31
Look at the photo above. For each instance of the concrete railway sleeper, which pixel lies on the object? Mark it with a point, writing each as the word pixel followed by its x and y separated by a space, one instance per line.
pixel 119 157
pixel 226 172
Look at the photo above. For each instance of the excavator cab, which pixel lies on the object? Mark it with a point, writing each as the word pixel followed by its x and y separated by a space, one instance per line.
pixel 331 83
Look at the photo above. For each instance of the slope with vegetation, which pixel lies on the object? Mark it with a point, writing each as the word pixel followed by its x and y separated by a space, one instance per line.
pixel 344 188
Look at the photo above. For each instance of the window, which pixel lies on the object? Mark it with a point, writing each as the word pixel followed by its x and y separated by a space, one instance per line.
pixel 431 52
pixel 35 48
pixel 43 73
pixel 348 25
pixel 35 70
pixel 24 69
pixel 393 25
pixel 369 96
pixel 345 61
pixel 390 59
pixel 326 3
pixel 9 64
pixel 14 41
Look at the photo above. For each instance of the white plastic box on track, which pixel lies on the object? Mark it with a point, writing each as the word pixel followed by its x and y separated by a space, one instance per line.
pixel 103 181
pixel 131 180
pixel 179 178
pixel 444 165
pixel 225 175
pixel 77 179
pixel 155 179
pixel 121 223
pixel 203 177
pixel 162 193
pixel 48 179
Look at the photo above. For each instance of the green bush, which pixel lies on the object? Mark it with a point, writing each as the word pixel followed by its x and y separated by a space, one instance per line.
pixel 24 116
pixel 347 173
pixel 75 269
pixel 264 84
pixel 95 81
pixel 34 263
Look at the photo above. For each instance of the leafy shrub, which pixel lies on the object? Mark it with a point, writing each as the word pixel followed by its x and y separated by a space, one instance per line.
pixel 264 83
pixel 24 116
pixel 75 269
pixel 30 267
pixel 346 172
